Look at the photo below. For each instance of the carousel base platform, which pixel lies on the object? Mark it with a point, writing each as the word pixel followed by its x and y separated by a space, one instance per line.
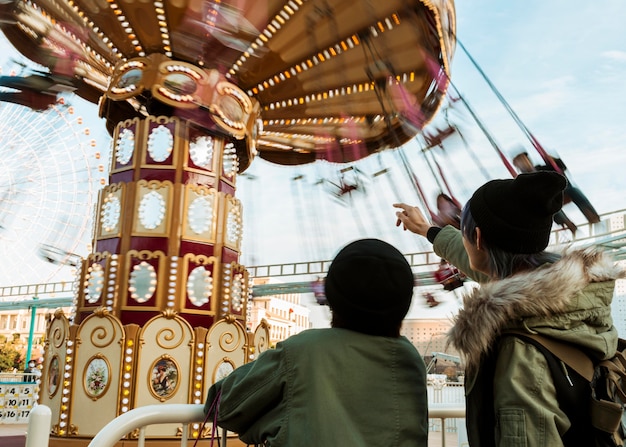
pixel 13 435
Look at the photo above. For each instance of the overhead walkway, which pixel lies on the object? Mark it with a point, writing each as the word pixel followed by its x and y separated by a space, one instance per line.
pixel 609 234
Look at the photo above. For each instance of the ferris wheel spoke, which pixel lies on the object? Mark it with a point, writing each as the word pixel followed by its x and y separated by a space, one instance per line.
pixel 50 177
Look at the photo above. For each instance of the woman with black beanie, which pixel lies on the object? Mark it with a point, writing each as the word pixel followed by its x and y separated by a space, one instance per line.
pixel 511 391
pixel 358 383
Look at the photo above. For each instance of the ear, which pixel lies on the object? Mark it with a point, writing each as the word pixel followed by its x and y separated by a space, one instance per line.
pixel 479 239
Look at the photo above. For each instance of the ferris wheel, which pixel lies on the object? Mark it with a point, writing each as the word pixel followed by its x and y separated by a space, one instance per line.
pixel 51 168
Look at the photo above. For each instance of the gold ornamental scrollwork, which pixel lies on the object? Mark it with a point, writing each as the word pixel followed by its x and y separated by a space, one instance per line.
pixel 261 337
pixel 58 335
pixel 230 341
pixel 170 314
pixel 101 311
pixel 101 336
pixel 57 430
pixel 169 338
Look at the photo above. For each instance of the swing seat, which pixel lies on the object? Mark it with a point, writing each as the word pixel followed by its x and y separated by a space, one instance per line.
pixel 449 277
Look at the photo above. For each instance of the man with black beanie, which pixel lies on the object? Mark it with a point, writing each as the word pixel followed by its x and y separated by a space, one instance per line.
pixel 358 383
pixel 511 393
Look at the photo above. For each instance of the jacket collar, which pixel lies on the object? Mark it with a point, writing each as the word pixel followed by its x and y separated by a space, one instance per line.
pixel 540 294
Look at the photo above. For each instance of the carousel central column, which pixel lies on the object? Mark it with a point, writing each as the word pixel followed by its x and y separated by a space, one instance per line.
pixel 168 223
pixel 161 305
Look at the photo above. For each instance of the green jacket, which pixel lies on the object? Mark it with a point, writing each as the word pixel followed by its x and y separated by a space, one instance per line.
pixel 328 387
pixel 569 300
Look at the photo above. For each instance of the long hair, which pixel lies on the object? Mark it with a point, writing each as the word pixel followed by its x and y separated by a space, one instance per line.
pixel 503 264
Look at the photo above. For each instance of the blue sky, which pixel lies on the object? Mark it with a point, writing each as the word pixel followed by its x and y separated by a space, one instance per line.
pixel 560 64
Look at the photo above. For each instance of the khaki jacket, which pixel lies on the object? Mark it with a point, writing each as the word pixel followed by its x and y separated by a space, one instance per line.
pixel 569 300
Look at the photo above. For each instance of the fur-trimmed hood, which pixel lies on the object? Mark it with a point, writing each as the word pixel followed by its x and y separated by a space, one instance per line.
pixel 567 299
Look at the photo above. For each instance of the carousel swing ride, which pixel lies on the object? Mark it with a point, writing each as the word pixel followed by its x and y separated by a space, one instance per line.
pixel 191 91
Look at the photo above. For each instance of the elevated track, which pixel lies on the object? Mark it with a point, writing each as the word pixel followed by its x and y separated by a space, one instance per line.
pixel 609 234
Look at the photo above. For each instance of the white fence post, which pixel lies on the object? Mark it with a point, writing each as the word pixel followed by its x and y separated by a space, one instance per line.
pixel 38 434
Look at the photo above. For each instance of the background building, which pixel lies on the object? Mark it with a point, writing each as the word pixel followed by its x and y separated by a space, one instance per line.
pixel 284 313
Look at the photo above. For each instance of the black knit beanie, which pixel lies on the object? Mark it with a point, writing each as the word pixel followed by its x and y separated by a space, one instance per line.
pixel 370 283
pixel 515 215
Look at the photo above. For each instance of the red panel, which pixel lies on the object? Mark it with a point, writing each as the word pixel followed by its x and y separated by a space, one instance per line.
pixel 149 243
pixel 198 179
pixel 196 248
pixel 138 318
pixel 229 255
pixel 133 128
pixel 141 318
pixel 158 174
pixel 124 176
pixel 205 321
pixel 111 245
pixel 226 187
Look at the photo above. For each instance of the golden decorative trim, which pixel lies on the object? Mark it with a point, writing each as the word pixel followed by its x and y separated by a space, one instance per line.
pixel 101 311
pixel 169 313
pixel 102 337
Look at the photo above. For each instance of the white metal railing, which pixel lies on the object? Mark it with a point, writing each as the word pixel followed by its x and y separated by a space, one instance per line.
pixel 140 418
pixel 39 422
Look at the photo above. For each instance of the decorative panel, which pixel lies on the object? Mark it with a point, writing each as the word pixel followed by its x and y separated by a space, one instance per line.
pixel 99 280
pixel 235 290
pixel 111 213
pixel 230 163
pixel 124 145
pixel 233 222
pixel 163 366
pixel 99 355
pixel 55 360
pixel 261 338
pixel 226 346
pixel 153 208
pixel 161 141
pixel 202 287
pixel 200 213
pixel 203 150
pixel 143 281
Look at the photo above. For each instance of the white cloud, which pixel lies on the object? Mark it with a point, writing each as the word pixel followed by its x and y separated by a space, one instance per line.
pixel 615 55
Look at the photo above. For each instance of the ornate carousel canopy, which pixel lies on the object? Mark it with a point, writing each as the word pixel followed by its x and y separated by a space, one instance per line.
pixel 295 80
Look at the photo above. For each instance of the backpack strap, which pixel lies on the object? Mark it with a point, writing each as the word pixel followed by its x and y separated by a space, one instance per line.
pixel 572 356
